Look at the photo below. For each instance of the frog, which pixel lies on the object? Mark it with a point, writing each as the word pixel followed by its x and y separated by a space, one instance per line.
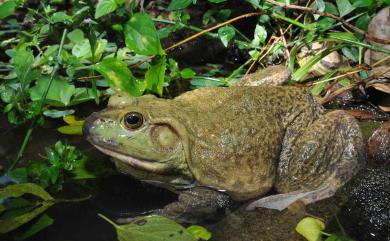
pixel 215 146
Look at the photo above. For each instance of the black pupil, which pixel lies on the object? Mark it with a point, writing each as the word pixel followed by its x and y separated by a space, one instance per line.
pixel 132 119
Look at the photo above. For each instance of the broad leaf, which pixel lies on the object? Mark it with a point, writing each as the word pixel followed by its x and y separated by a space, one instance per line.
pixel 141 35
pixel 18 190
pixel 226 34
pixel 310 228
pixel 152 228
pixel 7 8
pixel 155 76
pixel 105 7
pixel 59 94
pixel 43 222
pixel 260 35
pixel 178 4
pixel 23 63
pixel 118 76
pixel 344 7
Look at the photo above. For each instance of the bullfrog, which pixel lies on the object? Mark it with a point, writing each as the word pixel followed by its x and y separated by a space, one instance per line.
pixel 215 145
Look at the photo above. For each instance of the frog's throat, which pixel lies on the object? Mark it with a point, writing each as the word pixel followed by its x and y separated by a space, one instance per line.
pixel 143 164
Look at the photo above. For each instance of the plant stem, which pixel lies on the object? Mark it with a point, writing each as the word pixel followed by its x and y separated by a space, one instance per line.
pixel 35 119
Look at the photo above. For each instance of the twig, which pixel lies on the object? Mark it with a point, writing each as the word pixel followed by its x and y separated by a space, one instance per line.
pixel 248 15
pixel 314 11
pixel 338 92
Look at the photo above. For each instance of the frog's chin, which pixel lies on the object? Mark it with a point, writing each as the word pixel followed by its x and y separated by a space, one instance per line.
pixel 138 163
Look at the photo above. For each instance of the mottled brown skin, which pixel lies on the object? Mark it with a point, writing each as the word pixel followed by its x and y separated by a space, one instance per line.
pixel 242 140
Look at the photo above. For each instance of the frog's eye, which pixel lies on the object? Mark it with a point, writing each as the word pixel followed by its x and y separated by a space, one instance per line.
pixel 133 120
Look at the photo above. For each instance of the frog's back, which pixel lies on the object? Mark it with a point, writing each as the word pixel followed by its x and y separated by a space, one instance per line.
pixel 237 138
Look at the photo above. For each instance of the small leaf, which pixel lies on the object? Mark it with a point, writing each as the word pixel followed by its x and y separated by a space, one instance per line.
pixel 226 34
pixel 59 94
pixel 310 228
pixel 7 8
pixel 43 222
pixel 23 63
pixel 60 17
pixel 206 82
pixel 18 190
pixel 344 7
pixel 318 88
pixel 260 35
pixel 141 35
pixel 53 113
pixel 151 228
pixel 199 232
pixel 363 21
pixel 105 7
pixel 178 4
pixel 71 130
pixel 155 76
pixel 71 120
pixel 362 3
pixel 187 73
pixel 76 36
pixel 118 76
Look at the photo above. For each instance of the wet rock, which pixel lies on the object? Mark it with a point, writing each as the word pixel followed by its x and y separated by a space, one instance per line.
pixel 379 146
pixel 261 224
pixel 366 215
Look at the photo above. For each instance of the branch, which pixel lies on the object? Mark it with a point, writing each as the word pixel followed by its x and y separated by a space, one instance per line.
pixel 313 11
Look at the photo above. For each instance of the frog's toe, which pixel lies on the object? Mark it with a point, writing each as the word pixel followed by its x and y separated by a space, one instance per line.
pixel 282 201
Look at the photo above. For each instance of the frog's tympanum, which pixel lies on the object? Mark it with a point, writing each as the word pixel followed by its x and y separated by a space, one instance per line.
pixel 238 142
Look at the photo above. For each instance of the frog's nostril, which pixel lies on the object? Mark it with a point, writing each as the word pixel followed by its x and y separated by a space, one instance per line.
pixel 89 122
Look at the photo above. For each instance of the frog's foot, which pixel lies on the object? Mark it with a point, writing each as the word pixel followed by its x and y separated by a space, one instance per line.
pixel 282 201
pixel 196 205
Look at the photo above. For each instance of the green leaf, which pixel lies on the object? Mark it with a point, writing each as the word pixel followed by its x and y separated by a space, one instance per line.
pixel 7 8
pixel 71 130
pixel 260 35
pixel 14 222
pixel 226 34
pixel 23 63
pixel 141 35
pixel 363 21
pixel 151 228
pixel 318 88
pixel 344 7
pixel 362 3
pixel 199 232
pixel 118 76
pixel 105 7
pixel 351 53
pixel 155 76
pixel 43 222
pixel 310 228
pixel 337 238
pixel 206 82
pixel 53 113
pixel 18 190
pixel 59 94
pixel 60 17
pixel 76 36
pixel 82 49
pixel 302 71
pixel 187 73
pixel 178 4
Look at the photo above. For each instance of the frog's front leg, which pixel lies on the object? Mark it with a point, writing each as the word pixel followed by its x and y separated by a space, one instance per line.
pixel 316 160
pixel 196 204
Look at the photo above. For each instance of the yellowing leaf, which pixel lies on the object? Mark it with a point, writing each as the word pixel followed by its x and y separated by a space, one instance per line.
pixel 71 120
pixel 310 228
pixel 71 130
pixel 199 232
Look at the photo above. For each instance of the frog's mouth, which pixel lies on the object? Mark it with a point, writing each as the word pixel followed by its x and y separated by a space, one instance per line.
pixel 136 162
